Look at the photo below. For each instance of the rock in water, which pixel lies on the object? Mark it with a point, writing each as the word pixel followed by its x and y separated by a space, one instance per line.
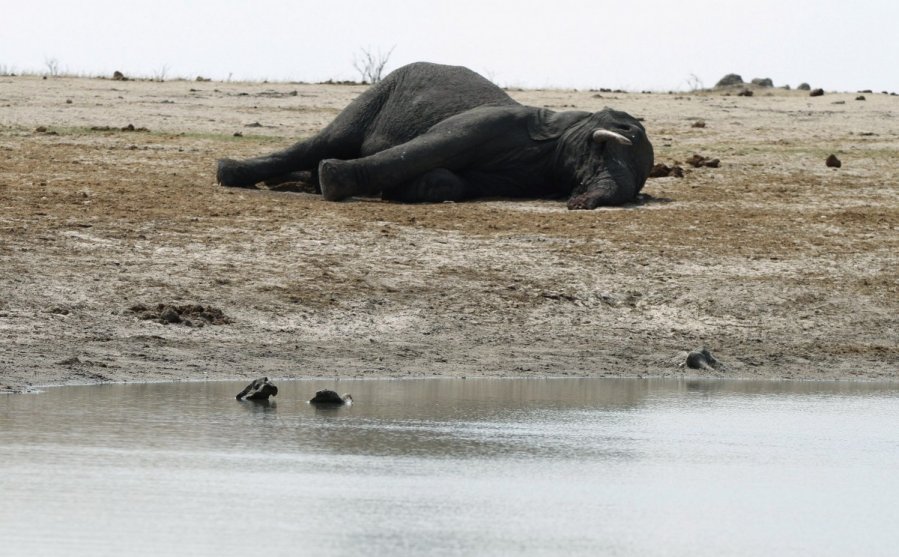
pixel 260 389
pixel 329 397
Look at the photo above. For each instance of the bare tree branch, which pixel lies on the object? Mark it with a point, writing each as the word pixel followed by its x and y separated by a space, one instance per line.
pixel 370 64
pixel 52 66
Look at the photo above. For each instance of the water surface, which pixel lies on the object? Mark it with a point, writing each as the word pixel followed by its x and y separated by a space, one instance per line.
pixel 453 467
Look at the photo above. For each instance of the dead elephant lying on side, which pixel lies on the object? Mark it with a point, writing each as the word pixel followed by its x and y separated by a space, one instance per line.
pixel 432 133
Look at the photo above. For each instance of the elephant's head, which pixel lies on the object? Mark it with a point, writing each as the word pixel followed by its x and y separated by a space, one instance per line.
pixel 608 157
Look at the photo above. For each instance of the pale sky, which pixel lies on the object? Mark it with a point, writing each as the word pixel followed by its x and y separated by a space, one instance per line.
pixel 628 44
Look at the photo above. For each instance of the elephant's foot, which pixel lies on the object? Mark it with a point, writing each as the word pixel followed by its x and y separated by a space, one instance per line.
pixel 234 174
pixel 338 180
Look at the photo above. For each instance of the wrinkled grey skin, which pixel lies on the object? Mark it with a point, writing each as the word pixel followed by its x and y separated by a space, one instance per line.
pixel 432 133
pixel 260 389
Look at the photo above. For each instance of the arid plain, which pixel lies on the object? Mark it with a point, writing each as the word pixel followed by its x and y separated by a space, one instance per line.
pixel 122 260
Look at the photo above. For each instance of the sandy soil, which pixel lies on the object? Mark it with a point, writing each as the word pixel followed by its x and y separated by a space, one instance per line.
pixel 782 267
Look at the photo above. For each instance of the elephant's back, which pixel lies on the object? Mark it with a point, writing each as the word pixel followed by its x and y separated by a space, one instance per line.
pixel 422 94
pixel 452 87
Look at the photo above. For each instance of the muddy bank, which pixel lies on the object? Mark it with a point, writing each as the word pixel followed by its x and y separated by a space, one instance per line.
pixel 121 260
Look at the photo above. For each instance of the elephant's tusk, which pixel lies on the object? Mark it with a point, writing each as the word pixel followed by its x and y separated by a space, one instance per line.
pixel 601 136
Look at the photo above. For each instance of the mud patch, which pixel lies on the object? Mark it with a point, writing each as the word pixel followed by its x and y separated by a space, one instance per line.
pixel 128 128
pixel 661 170
pixel 190 315
pixel 699 161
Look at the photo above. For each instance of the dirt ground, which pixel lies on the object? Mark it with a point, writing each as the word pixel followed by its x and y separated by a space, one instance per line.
pixel 122 260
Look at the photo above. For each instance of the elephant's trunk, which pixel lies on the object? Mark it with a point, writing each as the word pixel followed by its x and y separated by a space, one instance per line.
pixel 611 187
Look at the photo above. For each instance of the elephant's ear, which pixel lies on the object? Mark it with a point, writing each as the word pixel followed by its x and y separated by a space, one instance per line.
pixel 546 124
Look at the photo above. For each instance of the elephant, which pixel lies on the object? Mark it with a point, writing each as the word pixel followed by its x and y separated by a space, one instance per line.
pixel 328 397
pixel 259 389
pixel 435 133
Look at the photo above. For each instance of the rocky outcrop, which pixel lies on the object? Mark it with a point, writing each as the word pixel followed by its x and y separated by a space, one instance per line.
pixel 730 80
pixel 763 82
pixel 703 359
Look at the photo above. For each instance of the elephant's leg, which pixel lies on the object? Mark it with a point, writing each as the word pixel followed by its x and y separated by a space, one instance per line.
pixel 454 144
pixel 246 173
pixel 394 167
pixel 342 139
pixel 435 186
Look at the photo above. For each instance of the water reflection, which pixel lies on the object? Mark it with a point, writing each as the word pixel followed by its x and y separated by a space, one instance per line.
pixel 438 417
pixel 451 466
pixel 257 406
